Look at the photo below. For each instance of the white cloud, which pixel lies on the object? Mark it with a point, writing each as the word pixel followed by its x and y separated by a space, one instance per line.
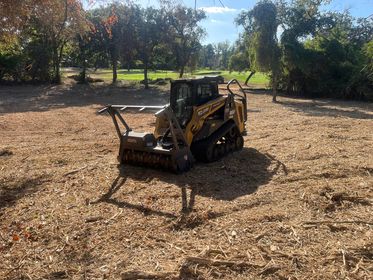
pixel 218 10
pixel 216 21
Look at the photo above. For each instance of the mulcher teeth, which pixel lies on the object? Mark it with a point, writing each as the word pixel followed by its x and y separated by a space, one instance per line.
pixel 167 162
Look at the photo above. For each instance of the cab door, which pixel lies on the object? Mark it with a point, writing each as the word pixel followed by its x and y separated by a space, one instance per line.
pixel 182 102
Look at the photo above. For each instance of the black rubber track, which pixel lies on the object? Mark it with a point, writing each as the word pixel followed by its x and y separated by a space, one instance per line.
pixel 225 140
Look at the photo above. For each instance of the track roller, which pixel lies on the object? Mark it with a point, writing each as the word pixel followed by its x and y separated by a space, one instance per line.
pixel 224 141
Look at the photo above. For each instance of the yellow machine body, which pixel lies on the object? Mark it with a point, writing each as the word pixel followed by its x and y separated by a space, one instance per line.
pixel 200 123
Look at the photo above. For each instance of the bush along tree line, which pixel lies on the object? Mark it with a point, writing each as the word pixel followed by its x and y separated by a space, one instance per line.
pixel 306 51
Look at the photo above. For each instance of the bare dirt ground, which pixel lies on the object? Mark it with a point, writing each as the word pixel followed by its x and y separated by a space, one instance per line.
pixel 296 203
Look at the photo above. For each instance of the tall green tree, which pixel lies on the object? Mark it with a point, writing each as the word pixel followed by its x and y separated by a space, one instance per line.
pixel 224 51
pixel 129 41
pixel 242 56
pixel 184 34
pixel 207 56
pixel 150 31
pixel 262 27
pixel 59 27
pixel 110 27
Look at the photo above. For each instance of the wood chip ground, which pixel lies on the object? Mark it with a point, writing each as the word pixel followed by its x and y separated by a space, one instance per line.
pixel 295 203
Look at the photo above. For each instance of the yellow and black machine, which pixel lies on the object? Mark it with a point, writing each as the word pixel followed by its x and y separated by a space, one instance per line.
pixel 199 124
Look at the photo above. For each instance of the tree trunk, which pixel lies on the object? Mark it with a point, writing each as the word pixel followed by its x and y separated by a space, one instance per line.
pixel 248 78
pixel 57 78
pixel 274 88
pixel 181 74
pixel 146 82
pixel 83 74
pixel 56 68
pixel 115 66
pixel 57 57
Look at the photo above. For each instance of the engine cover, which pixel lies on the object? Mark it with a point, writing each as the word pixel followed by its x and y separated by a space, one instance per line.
pixel 139 139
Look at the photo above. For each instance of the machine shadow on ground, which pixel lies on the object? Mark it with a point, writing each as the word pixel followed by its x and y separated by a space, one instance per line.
pixel 237 175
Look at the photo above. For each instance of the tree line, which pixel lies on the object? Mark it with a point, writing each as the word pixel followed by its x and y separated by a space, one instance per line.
pixel 35 42
pixel 306 51
pixel 35 45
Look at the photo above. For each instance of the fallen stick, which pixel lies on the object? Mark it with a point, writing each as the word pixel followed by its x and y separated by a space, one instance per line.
pixel 209 262
pixel 357 267
pixel 261 235
pixel 133 275
pixel 336 222
pixel 269 270
pixel 114 216
pixel 75 171
pixel 93 219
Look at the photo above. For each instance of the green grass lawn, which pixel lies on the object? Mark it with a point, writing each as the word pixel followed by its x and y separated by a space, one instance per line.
pixel 138 75
pixel 257 79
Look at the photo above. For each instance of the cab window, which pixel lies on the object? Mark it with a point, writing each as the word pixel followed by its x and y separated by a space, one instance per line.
pixel 204 93
pixel 183 92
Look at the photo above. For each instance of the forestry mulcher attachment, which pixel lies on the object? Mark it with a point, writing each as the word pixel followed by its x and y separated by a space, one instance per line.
pixel 199 123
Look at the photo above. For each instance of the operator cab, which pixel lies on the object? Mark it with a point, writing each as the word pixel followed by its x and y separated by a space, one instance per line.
pixel 188 93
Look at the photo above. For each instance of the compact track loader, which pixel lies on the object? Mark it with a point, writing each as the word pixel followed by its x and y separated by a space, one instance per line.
pixel 198 124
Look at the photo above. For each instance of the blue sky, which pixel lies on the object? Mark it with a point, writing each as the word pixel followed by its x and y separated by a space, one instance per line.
pixel 220 24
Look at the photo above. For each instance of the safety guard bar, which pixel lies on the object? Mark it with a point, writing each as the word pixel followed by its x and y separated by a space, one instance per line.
pixel 114 112
pixel 243 97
